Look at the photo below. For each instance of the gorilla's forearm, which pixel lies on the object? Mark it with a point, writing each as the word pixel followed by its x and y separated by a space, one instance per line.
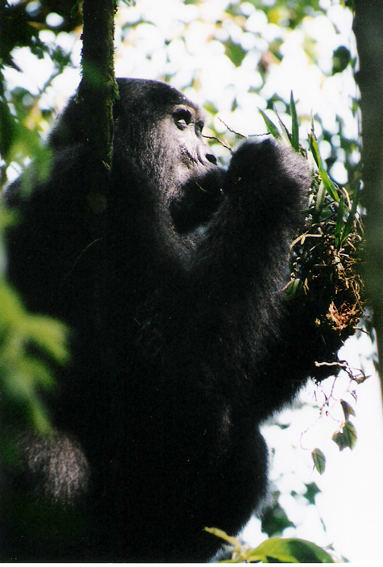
pixel 264 191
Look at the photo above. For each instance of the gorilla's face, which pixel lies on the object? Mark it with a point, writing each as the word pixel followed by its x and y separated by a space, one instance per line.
pixel 193 189
pixel 161 131
pixel 193 156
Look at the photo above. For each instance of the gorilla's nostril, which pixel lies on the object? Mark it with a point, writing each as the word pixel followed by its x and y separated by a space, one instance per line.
pixel 211 158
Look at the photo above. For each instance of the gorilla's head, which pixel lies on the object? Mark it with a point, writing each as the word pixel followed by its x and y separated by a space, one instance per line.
pixel 157 137
pixel 161 131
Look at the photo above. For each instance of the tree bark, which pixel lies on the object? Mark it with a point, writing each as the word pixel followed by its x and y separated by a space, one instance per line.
pixel 368 28
pixel 98 88
pixel 96 95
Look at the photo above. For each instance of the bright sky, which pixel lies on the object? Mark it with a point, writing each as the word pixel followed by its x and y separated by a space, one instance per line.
pixel 352 496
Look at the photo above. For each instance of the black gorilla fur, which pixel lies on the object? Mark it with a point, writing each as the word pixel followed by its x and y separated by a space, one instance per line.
pixel 178 354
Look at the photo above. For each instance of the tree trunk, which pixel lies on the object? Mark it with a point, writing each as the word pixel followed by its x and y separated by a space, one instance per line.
pixel 96 95
pixel 98 88
pixel 368 27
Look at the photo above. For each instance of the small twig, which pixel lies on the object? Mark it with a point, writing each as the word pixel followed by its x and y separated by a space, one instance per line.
pixel 231 129
pixel 259 135
pixel 340 364
pixel 303 237
pixel 219 141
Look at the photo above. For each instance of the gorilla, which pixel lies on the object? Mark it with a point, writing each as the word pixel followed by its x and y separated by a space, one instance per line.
pixel 169 271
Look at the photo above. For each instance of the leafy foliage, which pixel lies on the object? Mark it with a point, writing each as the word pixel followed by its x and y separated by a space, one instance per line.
pixel 341 59
pixel 289 550
pixel 27 343
pixel 325 263
pixel 274 518
pixel 273 550
pixel 311 491
pixel 30 344
pixel 235 52
pixel 23 337
pixel 327 253
pixel 23 21
pixel 288 13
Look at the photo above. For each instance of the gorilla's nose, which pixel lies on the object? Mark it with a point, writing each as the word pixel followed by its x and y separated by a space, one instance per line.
pixel 211 158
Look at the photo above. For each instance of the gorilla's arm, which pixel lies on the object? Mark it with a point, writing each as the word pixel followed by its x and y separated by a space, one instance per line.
pixel 293 357
pixel 244 259
pixel 247 242
pixel 241 268
pixel 244 255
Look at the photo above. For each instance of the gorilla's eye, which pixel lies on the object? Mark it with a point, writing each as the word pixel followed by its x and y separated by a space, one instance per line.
pixel 182 118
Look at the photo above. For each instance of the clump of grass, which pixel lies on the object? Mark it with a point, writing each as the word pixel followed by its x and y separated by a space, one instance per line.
pixel 326 254
pixel 325 260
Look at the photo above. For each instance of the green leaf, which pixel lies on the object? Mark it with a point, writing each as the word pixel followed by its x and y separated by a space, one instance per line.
pixel 294 124
pixel 293 288
pixel 319 460
pixel 49 334
pixel 346 437
pixel 275 520
pixel 24 373
pixel 350 219
pixel 329 185
pixel 270 126
pixel 320 198
pixel 347 409
pixel 7 129
pixel 234 52
pixel 285 134
pixel 339 222
pixel 289 550
pixel 349 432
pixel 223 535
pixel 340 59
pixel 311 491
pixel 210 108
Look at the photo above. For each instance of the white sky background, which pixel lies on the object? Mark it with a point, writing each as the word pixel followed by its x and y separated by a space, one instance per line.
pixel 352 496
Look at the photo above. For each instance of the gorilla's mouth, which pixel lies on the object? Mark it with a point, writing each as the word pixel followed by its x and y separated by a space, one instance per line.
pixel 203 158
pixel 196 203
pixel 187 158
